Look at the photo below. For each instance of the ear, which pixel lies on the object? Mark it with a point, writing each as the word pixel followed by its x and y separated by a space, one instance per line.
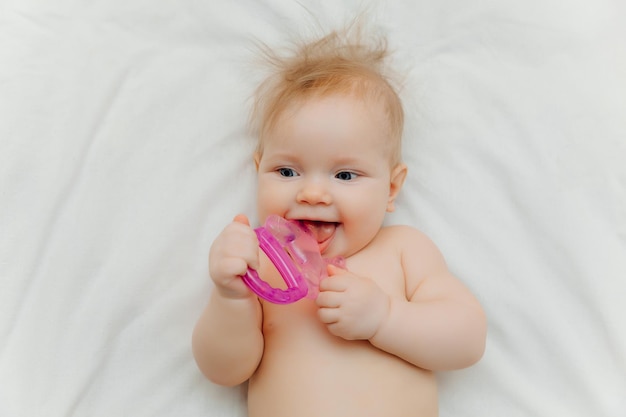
pixel 257 160
pixel 398 175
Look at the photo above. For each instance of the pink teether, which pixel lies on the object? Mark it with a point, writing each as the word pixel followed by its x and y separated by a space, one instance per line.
pixel 295 254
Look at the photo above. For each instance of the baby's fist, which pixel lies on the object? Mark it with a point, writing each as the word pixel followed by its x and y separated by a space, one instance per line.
pixel 352 307
pixel 234 250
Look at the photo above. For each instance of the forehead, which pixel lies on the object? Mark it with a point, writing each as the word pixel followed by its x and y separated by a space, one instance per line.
pixel 341 111
pixel 338 119
pixel 332 121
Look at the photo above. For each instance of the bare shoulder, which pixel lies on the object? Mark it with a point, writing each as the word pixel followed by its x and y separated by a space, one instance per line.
pixel 409 240
pixel 421 259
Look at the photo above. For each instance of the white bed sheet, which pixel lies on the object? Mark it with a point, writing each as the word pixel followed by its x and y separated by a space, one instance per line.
pixel 123 152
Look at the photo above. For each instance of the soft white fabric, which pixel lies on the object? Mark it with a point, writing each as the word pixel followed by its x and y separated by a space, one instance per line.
pixel 123 152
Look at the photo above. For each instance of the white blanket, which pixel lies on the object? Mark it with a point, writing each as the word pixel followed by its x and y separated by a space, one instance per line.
pixel 123 152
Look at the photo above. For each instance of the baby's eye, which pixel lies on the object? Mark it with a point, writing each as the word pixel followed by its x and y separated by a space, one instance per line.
pixel 345 175
pixel 287 172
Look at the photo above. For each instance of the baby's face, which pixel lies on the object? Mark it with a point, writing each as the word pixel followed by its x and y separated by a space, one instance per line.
pixel 327 162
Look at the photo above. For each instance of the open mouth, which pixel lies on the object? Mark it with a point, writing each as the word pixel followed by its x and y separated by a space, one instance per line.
pixel 322 231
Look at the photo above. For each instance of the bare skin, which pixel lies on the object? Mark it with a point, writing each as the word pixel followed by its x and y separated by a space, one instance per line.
pixel 370 341
pixel 307 368
pixel 297 365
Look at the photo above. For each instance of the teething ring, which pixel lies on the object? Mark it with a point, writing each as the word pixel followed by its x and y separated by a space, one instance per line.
pixel 297 288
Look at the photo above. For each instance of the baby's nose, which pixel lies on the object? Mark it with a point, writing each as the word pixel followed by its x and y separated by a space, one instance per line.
pixel 314 191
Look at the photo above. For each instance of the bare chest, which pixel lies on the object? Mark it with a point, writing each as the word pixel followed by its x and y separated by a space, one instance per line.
pixel 305 369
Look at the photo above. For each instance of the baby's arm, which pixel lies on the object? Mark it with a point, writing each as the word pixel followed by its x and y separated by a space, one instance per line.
pixel 438 325
pixel 442 326
pixel 227 340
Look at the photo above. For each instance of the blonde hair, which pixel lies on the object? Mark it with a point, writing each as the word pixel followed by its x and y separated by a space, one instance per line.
pixel 342 62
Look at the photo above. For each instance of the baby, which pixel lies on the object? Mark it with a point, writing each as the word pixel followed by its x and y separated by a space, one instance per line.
pixel 329 127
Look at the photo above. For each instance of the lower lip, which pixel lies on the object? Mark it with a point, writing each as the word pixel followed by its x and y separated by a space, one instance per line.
pixel 326 243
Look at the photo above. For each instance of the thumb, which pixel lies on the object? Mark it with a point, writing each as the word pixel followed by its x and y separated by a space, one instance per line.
pixel 242 218
pixel 334 270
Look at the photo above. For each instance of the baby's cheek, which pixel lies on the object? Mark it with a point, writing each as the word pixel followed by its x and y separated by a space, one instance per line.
pixel 362 230
pixel 270 200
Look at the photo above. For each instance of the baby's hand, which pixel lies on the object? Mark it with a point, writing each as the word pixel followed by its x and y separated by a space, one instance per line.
pixel 234 250
pixel 352 307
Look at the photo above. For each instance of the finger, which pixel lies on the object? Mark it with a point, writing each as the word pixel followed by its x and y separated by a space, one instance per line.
pixel 335 329
pixel 245 239
pixel 234 266
pixel 250 253
pixel 337 283
pixel 328 299
pixel 328 315
pixel 242 218
pixel 334 270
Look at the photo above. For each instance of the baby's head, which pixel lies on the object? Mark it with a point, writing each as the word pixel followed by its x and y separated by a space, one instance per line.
pixel 339 64
pixel 329 129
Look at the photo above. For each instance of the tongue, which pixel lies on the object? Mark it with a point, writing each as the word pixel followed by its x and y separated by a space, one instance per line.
pixel 320 230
